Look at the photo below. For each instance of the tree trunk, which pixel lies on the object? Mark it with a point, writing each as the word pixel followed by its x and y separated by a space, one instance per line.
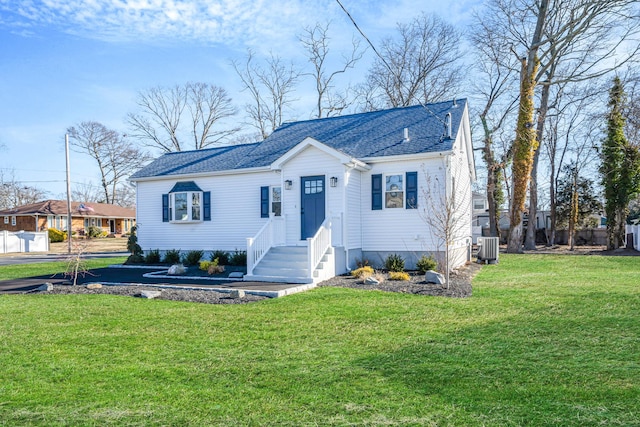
pixel 525 143
pixel 524 148
pixel 530 240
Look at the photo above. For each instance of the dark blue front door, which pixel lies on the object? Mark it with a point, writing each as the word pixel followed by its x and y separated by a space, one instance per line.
pixel 312 204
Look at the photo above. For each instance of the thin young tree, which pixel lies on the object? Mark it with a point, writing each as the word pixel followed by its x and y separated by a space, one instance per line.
pixel 15 193
pixel 447 209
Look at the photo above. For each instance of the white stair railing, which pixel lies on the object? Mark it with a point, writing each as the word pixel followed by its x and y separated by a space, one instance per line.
pixel 271 234
pixel 318 245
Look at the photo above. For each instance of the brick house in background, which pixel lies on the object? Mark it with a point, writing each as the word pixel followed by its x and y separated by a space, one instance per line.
pixel 41 216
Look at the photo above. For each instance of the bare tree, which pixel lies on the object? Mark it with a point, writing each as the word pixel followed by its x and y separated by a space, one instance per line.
pixel 270 88
pixel 14 193
pixel 497 74
pixel 116 159
pixel 556 41
pixel 170 117
pixel 87 192
pixel 421 65
pixel 444 210
pixel 315 41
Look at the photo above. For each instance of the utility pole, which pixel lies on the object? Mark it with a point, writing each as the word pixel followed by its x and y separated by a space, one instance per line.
pixel 66 150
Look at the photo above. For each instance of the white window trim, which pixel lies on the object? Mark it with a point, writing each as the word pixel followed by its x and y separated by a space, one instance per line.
pixel 189 219
pixel 13 221
pixel 6 220
pixel 384 189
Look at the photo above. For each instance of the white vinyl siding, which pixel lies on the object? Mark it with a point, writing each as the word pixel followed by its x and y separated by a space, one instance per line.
pixel 311 162
pixel 235 213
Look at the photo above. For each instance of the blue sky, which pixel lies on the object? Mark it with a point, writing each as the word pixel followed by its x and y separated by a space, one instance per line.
pixel 67 61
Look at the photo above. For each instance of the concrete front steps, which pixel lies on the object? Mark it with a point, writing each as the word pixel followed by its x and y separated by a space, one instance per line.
pixel 288 264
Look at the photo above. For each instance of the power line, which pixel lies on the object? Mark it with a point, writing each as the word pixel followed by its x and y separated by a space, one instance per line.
pixel 384 61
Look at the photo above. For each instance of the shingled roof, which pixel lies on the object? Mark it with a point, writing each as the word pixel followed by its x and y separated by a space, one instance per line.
pixel 59 207
pixel 361 136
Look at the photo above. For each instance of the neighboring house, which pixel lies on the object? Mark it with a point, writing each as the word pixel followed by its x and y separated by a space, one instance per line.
pixel 316 196
pixel 40 216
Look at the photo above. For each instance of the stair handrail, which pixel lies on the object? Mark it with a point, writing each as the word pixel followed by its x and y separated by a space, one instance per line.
pixel 318 244
pixel 259 245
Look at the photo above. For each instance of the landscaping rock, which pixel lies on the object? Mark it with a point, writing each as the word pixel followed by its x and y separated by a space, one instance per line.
pixel 236 275
pixel 434 277
pixel 236 293
pixel 177 269
pixel 371 281
pixel 94 286
pixel 45 287
pixel 150 294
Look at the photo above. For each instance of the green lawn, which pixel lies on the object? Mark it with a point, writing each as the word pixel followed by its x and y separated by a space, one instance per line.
pixel 545 340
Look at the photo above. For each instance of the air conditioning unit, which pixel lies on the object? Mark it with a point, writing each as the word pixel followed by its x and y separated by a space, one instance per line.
pixel 488 249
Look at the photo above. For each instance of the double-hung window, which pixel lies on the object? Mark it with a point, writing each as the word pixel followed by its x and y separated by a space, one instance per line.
pixel 394 191
pixel 270 201
pixel 186 202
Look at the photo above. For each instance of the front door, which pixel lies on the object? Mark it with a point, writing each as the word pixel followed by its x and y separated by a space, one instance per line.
pixel 112 226
pixel 312 205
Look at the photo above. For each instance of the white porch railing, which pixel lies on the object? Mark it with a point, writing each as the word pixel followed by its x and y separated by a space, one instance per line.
pixel 271 234
pixel 318 244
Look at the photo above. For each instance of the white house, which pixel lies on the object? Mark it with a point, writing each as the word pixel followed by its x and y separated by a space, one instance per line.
pixel 317 195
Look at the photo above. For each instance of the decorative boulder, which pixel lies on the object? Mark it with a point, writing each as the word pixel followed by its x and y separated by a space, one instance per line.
pixel 434 277
pixel 94 286
pixel 177 269
pixel 45 287
pixel 236 293
pixel 236 275
pixel 371 281
pixel 150 294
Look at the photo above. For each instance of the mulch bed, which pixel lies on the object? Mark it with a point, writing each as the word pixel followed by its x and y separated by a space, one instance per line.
pixel 459 286
pixel 187 295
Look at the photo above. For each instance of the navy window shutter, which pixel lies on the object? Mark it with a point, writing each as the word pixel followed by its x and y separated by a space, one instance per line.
pixel 264 202
pixel 412 190
pixel 206 206
pixel 376 192
pixel 165 208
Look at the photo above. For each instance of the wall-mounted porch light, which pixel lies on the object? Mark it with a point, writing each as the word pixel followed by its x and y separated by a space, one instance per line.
pixel 288 184
pixel 333 181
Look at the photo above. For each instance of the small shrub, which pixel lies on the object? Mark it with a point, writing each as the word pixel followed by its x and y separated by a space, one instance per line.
pixel 426 263
pixel 214 269
pixel 204 265
pixel 172 256
pixel 193 257
pixel 132 244
pixel 94 231
pixel 399 275
pixel 394 262
pixel 238 258
pixel 221 256
pixel 359 273
pixel 362 262
pixel 153 257
pixel 56 235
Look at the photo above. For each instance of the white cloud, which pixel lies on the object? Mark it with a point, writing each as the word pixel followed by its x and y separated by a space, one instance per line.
pixel 227 22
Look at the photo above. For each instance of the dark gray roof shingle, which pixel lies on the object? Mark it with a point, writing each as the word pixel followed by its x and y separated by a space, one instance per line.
pixel 361 136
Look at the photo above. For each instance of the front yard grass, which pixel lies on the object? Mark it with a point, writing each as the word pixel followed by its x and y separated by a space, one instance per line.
pixel 545 340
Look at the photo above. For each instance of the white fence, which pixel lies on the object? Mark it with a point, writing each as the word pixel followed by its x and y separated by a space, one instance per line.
pixel 635 230
pixel 24 241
